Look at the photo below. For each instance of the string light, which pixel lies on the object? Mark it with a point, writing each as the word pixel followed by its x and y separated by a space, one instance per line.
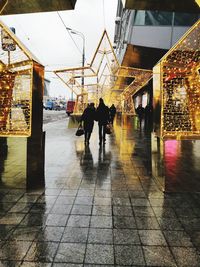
pixel 180 87
pixel 15 89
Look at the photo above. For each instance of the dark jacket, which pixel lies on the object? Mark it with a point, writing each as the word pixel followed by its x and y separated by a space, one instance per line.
pixel 102 114
pixel 88 117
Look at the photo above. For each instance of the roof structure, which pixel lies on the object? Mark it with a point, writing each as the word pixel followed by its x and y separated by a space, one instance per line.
pixel 104 77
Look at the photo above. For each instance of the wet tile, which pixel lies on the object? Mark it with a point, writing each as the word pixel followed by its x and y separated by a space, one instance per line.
pixel 126 237
pixel 178 238
pixel 164 212
pixel 41 208
pixel 78 221
pixel 71 253
pixel 186 256
pixel 21 208
pixel 56 220
pixel 32 220
pixel 14 250
pixel 101 222
pixel 102 201
pixel 29 198
pixel 191 224
pixel 52 192
pixel 67 265
pixel 61 209
pixel 50 233
pixel 25 233
pixel 158 256
pixel 12 218
pixel 42 251
pixel 100 236
pixel 68 192
pixel 147 223
pixel 81 210
pixel 102 210
pixel 83 201
pixel 143 211
pixel 99 254
pixel 124 222
pixel 35 264
pixel 152 237
pixel 10 263
pixel 129 255
pixel 122 211
pixel 65 200
pixel 121 201
pixel 5 231
pixel 136 194
pixel 75 235
pixel 140 202
pixel 169 223
pixel 11 198
pixel 195 238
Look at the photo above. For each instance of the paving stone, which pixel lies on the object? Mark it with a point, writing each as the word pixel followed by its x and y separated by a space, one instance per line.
pixel 178 238
pixel 50 233
pixel 158 256
pixel 75 235
pixel 42 251
pixel 99 254
pixel 147 223
pixel 101 221
pixel 126 237
pixel 129 255
pixel 14 250
pixel 186 256
pixel 70 253
pixel 124 222
pixel 100 236
pixel 81 210
pixel 78 221
pixel 152 237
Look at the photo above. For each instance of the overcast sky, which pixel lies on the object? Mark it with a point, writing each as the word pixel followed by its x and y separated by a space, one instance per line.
pixel 46 37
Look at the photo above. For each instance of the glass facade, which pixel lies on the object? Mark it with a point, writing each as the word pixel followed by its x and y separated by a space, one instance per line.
pixel 161 18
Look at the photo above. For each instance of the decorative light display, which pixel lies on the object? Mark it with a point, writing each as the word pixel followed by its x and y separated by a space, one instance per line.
pixel 104 77
pixel 16 68
pixel 177 87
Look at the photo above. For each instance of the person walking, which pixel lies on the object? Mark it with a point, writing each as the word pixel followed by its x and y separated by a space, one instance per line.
pixel 112 113
pixel 140 113
pixel 102 116
pixel 88 117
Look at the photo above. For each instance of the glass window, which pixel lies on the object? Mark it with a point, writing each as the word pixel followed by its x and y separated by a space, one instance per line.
pixel 185 19
pixel 154 18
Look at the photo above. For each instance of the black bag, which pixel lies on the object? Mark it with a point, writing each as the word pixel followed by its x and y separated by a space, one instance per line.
pixel 79 131
pixel 108 129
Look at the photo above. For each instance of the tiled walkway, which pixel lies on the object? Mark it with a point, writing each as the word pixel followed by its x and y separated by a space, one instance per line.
pixel 99 208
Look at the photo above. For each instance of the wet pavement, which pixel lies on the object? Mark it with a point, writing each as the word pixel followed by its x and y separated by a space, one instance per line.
pixel 100 207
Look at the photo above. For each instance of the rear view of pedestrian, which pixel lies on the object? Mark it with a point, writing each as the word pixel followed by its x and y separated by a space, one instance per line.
pixel 112 113
pixel 102 116
pixel 88 117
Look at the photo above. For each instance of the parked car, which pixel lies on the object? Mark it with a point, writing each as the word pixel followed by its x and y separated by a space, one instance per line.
pixel 49 105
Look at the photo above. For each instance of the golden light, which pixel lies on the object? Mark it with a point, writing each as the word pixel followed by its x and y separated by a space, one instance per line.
pixel 177 88
pixel 16 68
pixel 104 77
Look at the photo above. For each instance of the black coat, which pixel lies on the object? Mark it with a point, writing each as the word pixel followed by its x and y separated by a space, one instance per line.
pixel 88 119
pixel 102 114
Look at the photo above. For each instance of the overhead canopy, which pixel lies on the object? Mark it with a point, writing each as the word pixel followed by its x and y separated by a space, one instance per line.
pixel 31 6
pixel 165 5
pixel 104 77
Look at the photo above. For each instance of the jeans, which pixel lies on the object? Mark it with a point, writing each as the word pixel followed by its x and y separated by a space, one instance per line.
pixel 102 133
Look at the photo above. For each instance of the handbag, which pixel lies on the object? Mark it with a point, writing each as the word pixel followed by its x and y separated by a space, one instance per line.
pixel 108 129
pixel 79 131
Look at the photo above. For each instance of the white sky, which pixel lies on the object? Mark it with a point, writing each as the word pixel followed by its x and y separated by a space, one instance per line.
pixel 46 37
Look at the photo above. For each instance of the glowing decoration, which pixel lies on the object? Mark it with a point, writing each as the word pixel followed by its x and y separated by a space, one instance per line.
pixel 104 77
pixel 16 74
pixel 177 88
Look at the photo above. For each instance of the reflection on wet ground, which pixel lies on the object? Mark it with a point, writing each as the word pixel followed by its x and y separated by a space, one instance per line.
pixel 99 207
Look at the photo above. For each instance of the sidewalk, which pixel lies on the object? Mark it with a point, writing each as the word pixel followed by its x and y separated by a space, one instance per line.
pixel 100 207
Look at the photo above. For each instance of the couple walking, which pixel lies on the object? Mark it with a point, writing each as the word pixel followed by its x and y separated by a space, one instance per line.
pixel 101 114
